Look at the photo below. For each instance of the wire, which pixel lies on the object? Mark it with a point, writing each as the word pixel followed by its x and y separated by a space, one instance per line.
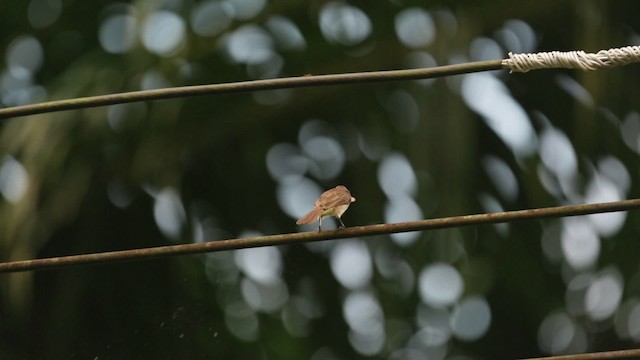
pixel 247 86
pixel 516 63
pixel 295 238
pixel 618 354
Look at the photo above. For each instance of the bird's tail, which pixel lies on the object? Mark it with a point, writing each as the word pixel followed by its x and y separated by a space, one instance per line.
pixel 312 216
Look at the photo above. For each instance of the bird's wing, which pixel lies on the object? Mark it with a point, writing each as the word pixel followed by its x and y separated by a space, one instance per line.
pixel 334 197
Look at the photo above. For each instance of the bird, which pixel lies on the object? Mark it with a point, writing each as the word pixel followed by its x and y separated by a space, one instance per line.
pixel 333 202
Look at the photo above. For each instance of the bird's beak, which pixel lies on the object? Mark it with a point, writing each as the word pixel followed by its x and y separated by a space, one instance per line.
pixel 353 199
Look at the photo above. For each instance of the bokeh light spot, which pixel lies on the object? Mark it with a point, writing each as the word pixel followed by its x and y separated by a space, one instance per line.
pixel 471 319
pixel 286 160
pixel 435 329
pixel 286 33
pixel 365 318
pixel 43 13
pixel 351 264
pixel 604 294
pixel 169 213
pixel 327 155
pixel 163 32
pixel 396 176
pixel 580 244
pixel 344 24
pixel 415 27
pixel 246 9
pixel 249 44
pixel 117 34
pixel 209 18
pixel 490 98
pixel 502 177
pixel 556 332
pixel 24 56
pixel 14 179
pixel 400 209
pixel 262 264
pixel 440 284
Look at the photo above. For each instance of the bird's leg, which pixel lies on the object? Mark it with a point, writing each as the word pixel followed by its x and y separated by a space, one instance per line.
pixel 341 223
pixel 320 224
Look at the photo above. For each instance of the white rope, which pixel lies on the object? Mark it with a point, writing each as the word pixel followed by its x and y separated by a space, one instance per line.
pixel 573 59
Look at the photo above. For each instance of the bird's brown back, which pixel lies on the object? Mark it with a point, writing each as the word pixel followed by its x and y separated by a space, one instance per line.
pixel 331 198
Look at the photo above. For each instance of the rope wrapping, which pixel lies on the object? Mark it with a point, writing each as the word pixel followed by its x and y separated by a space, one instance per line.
pixel 572 59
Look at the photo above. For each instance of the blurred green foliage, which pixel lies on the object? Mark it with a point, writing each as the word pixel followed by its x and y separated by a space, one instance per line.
pixel 95 178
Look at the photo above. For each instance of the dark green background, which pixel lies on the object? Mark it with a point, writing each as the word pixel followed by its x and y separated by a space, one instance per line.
pixel 212 150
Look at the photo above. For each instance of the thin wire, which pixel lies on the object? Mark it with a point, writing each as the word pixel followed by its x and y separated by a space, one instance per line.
pixel 515 62
pixel 617 354
pixel 247 86
pixel 295 238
